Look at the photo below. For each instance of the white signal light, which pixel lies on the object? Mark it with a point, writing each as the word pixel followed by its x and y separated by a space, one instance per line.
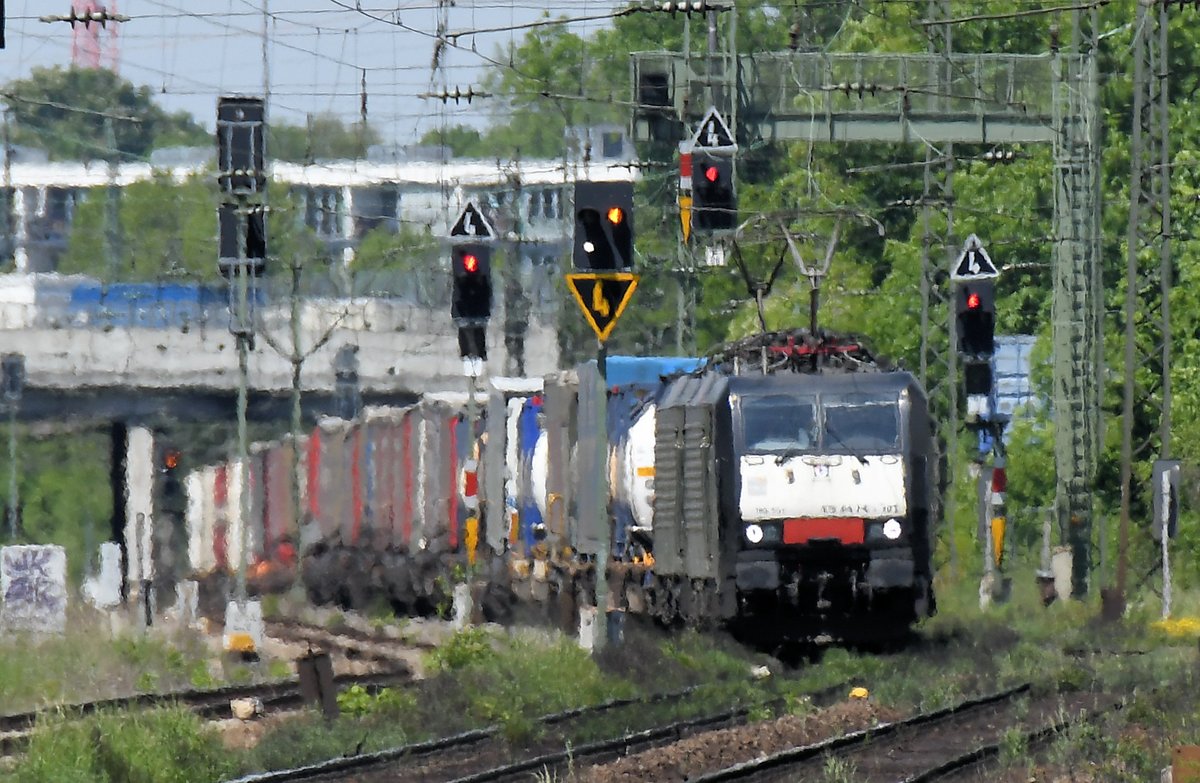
pixel 588 247
pixel 754 533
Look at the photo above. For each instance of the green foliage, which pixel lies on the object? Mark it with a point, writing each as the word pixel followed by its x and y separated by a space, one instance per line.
pixel 463 142
pixel 1014 746
pixel 468 647
pixel 63 483
pixel 168 233
pixel 358 702
pixel 527 678
pixel 63 111
pixel 324 137
pixel 168 745
pixel 839 770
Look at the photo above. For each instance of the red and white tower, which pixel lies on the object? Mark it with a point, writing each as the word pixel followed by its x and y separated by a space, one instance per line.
pixel 94 34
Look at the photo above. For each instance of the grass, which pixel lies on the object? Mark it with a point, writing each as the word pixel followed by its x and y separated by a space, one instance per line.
pixel 89 663
pixel 167 745
pixel 482 677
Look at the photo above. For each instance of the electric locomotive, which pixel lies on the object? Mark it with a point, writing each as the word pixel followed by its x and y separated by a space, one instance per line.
pixel 833 498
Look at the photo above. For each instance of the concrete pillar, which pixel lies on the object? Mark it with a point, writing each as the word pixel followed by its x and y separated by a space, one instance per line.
pixel 346 223
pixel 21 211
pixel 116 479
pixel 138 488
pixel 587 628
pixel 462 606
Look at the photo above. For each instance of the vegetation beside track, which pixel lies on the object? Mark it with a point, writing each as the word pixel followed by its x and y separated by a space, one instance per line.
pixel 485 677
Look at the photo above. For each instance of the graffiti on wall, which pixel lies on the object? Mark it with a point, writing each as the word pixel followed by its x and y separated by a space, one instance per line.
pixel 33 588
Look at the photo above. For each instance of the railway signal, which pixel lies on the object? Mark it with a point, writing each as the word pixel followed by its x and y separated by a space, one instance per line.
pixel 471 298
pixel 714 200
pixel 170 469
pixel 975 318
pixel 975 321
pixel 472 270
pixel 603 226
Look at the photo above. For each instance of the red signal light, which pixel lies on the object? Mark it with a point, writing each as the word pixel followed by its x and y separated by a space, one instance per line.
pixel 973 301
pixel 999 480
pixel 471 263
pixel 711 174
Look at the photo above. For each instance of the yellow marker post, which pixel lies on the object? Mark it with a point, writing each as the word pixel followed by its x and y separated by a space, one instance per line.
pixel 472 538
pixel 998 527
pixel 685 216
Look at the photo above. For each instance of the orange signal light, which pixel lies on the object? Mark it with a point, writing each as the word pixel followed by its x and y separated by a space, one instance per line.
pixel 973 301
pixel 171 460
pixel 615 215
pixel 471 263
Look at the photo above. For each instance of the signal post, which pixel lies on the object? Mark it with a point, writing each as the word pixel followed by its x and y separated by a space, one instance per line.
pixel 471 239
pixel 974 278
pixel 602 285
pixel 242 254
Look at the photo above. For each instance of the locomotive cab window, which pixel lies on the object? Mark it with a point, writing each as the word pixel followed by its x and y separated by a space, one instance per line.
pixel 778 422
pixel 855 422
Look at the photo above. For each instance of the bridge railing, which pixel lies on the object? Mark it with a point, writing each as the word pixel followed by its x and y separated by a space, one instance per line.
pixel 362 300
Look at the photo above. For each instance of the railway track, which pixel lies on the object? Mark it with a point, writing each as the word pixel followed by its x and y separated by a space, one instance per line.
pixel 352 643
pixel 926 747
pixel 482 755
pixel 210 704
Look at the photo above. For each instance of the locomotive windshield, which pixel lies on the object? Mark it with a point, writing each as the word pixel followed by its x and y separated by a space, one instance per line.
pixel 858 423
pixel 778 422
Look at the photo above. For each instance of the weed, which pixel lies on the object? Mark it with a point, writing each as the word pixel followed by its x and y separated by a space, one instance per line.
pixel 466 647
pixel 1073 678
pixel 760 713
pixel 279 669
pixel 357 701
pixel 201 677
pixel 839 770
pixel 157 746
pixel 271 606
pixel 1014 746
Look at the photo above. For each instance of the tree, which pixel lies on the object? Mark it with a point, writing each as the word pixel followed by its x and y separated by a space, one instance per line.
pixel 64 111
pixel 325 137
pixel 463 142
pixel 168 232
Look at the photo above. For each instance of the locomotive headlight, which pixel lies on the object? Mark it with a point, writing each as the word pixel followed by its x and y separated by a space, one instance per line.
pixel 892 529
pixel 754 533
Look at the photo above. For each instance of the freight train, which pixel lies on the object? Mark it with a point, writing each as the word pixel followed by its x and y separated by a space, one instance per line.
pixel 789 499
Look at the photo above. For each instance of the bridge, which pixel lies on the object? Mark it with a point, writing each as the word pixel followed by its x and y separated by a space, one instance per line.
pixel 186 369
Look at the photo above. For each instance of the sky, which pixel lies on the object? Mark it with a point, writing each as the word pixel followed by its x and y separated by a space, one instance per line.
pixel 192 51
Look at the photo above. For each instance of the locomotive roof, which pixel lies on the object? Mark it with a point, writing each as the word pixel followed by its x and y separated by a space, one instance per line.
pixel 845 383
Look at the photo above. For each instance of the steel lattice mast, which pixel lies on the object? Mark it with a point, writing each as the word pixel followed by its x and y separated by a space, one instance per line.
pixel 1076 303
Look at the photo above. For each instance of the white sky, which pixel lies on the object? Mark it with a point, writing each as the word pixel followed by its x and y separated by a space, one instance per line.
pixel 192 51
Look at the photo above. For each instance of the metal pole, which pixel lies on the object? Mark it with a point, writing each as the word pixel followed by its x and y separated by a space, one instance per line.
pixel 813 303
pixel 1140 79
pixel 5 204
pixel 243 345
pixel 1164 489
pixel 13 501
pixel 297 423
pixel 602 498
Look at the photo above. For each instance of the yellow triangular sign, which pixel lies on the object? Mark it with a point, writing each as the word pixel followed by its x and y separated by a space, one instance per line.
pixel 602 296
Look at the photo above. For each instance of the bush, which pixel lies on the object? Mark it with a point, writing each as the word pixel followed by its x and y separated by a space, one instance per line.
pixel 465 648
